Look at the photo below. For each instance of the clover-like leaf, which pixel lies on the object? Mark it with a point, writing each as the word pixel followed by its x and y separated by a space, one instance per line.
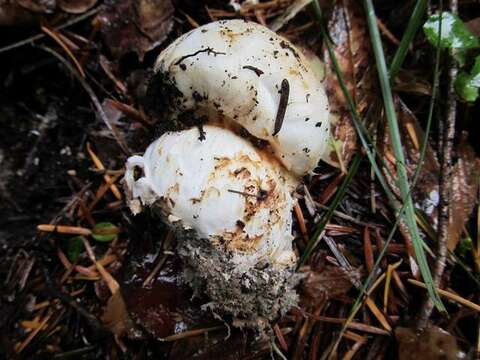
pixel 467 85
pixel 105 232
pixel 454 34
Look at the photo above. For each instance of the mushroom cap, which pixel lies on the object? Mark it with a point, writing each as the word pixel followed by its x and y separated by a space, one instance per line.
pixel 236 69
pixel 222 188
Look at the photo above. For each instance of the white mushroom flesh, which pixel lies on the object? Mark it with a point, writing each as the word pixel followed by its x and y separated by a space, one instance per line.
pixel 223 188
pixel 240 70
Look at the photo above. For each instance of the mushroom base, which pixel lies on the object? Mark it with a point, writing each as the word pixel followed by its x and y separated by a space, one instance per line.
pixel 252 296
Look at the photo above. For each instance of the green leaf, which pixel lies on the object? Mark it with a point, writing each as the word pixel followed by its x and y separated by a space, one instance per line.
pixel 464 247
pixel 105 232
pixel 464 88
pixel 74 248
pixel 466 85
pixel 455 34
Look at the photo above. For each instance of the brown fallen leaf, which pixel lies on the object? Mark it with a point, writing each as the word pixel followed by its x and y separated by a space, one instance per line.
pixel 115 316
pixel 426 192
pixel 465 182
pixel 38 6
pixel 348 30
pixel 76 6
pixel 135 25
pixel 432 343
pixel 12 14
pixel 327 283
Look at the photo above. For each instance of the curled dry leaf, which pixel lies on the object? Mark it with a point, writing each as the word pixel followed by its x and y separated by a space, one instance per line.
pixel 76 6
pixel 135 26
pixel 432 343
pixel 348 30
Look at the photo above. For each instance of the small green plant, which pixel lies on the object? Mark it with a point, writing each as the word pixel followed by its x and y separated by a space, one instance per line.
pixel 105 232
pixel 74 248
pixel 456 37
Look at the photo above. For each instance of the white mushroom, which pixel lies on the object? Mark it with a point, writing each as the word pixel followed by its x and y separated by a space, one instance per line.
pixel 231 206
pixel 246 74
pixel 221 188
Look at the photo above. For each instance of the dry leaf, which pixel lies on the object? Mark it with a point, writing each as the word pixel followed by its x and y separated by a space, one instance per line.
pixel 76 6
pixel 12 14
pixel 329 282
pixel 432 343
pixel 465 177
pixel 115 316
pixel 348 30
pixel 136 25
pixel 38 6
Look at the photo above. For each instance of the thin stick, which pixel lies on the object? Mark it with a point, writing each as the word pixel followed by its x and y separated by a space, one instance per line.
pixel 445 183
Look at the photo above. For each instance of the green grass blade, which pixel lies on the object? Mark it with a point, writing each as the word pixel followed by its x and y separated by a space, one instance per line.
pixel 391 116
pixel 412 27
pixel 423 147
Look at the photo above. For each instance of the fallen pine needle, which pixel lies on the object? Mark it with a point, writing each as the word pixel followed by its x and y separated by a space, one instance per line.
pixel 59 41
pixel 191 333
pixel 99 165
pixel 449 295
pixel 301 221
pixel 64 229
pixel 378 314
pixel 353 350
pixel 280 338
pixel 30 336
pixel 111 282
pixel 353 336
pixel 352 325
pixel 388 279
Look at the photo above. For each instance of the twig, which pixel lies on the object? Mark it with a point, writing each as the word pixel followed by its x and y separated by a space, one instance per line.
pixel 34 38
pixel 445 183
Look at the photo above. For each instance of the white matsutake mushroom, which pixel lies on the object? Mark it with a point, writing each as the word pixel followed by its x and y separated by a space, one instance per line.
pixel 243 73
pixel 230 205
